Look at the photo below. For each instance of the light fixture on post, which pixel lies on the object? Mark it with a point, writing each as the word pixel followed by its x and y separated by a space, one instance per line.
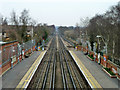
pixel 99 60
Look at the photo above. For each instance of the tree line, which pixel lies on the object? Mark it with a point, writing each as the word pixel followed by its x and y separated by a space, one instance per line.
pixel 102 31
pixel 17 27
pixel 107 26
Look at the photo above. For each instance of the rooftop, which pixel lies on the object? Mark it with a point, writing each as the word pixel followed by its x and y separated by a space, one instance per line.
pixel 2 43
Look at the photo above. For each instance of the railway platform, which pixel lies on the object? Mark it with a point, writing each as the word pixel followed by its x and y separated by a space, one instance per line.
pixel 12 77
pixel 21 75
pixel 93 72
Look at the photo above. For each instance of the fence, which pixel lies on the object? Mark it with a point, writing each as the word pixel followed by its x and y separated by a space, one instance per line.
pixel 116 61
pixel 28 45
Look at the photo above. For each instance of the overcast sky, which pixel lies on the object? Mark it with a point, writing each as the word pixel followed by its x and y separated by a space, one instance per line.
pixel 58 12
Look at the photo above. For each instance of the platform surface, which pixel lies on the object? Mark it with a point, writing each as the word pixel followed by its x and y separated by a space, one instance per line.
pixel 30 73
pixel 12 77
pixel 99 77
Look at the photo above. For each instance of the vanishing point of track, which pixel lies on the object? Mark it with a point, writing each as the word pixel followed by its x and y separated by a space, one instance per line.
pixel 57 69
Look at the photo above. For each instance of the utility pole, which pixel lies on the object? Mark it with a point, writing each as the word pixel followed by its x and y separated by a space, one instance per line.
pixel 32 34
pixel 31 38
pixel 113 50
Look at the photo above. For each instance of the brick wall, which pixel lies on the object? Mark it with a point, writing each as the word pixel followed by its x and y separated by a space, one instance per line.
pixel 112 66
pixel 8 50
pixel 33 48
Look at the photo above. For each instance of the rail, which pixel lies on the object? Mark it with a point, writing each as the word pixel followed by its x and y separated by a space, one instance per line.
pixel 45 76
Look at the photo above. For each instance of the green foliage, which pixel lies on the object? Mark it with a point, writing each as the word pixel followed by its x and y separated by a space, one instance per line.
pixel 45 35
pixel 80 44
pixel 109 71
pixel 42 31
pixel 91 56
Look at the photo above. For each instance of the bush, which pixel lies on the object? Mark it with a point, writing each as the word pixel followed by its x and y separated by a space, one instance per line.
pixel 91 56
pixel 109 71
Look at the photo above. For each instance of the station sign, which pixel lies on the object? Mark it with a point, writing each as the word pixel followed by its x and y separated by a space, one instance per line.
pixel 114 70
pixel 23 52
pixel 13 58
pixel 105 58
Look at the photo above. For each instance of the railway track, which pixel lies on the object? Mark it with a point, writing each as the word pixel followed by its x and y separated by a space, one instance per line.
pixel 72 75
pixel 57 70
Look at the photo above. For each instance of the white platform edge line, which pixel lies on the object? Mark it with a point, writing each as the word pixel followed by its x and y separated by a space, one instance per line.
pixel 34 70
pixel 81 70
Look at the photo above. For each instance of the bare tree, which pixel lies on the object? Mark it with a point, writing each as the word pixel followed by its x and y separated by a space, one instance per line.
pixel 25 18
pixel 15 22
pixel 4 21
pixel 108 27
pixel 14 19
pixel 24 21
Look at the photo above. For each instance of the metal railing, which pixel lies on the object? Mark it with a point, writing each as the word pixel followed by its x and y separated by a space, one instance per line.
pixel 15 50
pixel 28 45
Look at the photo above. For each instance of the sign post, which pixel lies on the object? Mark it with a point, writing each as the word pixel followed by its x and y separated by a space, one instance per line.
pixel 105 59
pixel 23 52
pixel 43 43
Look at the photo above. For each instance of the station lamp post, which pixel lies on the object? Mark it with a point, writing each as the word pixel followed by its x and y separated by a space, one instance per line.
pixel 98 36
pixel 105 42
pixel 31 39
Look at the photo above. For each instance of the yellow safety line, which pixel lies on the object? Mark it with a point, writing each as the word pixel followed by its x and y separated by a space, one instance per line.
pixel 27 76
pixel 32 70
pixel 89 76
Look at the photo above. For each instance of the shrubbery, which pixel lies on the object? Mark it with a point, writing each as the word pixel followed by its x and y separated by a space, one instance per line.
pixel 91 56
pixel 109 71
